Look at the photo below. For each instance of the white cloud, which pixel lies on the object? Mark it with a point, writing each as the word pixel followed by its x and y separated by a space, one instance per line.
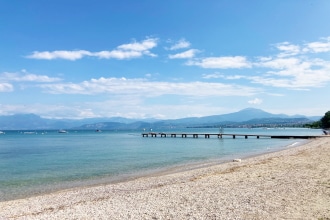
pixel 6 87
pixel 213 76
pixel 60 54
pixel 255 101
pixel 125 51
pixel 287 49
pixel 318 46
pixel 181 44
pixel 279 63
pixel 279 82
pixel 27 77
pixel 184 55
pixel 302 81
pixel 235 77
pixel 142 46
pixel 294 73
pixel 118 54
pixel 221 62
pixel 290 68
pixel 144 88
pixel 263 59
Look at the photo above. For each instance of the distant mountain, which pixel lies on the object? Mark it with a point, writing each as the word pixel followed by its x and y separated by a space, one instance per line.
pixel 240 116
pixel 23 121
pixel 35 122
pixel 249 117
pixel 243 115
pixel 246 116
pixel 116 126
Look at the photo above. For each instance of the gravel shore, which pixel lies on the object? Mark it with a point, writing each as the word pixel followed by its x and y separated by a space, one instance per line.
pixel 290 184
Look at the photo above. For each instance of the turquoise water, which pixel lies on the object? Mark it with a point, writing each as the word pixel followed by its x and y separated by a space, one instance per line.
pixel 44 161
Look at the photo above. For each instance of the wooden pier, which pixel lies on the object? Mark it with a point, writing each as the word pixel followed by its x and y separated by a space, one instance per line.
pixel 246 136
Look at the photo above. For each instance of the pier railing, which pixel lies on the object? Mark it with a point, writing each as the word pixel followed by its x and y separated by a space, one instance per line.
pixel 221 135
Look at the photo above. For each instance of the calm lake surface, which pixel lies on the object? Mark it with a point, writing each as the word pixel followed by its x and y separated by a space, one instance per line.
pixel 36 162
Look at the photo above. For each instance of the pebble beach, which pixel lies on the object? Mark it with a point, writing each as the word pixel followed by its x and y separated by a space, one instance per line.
pixel 290 184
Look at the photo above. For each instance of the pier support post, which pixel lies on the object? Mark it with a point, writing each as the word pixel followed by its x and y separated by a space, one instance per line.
pixel 207 136
pixel 173 135
pixel 258 137
pixel 184 135
pixel 234 136
pixel 219 135
pixel 246 136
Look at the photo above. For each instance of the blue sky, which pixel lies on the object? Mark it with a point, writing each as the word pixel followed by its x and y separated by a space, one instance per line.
pixel 163 59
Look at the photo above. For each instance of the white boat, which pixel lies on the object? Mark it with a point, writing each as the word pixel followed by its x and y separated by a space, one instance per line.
pixel 1 132
pixel 62 131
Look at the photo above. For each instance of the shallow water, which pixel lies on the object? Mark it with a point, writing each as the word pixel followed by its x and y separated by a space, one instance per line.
pixel 44 161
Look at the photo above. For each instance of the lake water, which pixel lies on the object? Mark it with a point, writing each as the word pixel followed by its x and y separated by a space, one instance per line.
pixel 37 162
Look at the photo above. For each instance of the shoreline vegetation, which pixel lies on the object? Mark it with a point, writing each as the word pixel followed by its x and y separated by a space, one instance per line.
pixel 290 184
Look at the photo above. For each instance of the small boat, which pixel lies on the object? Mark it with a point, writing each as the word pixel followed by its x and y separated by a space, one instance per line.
pixel 98 130
pixel 62 131
pixel 1 132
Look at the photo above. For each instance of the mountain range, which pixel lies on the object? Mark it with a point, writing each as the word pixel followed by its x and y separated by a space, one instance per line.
pixel 245 117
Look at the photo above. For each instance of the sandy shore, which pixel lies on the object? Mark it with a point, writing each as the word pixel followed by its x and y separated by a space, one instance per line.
pixel 291 184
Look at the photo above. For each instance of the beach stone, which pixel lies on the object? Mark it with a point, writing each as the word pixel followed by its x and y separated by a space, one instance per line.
pixel 237 160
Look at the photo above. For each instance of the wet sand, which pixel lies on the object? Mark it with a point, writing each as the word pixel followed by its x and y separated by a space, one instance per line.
pixel 290 184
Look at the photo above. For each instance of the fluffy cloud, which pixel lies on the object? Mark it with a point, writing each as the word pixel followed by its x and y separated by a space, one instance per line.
pixel 213 76
pixel 181 44
pixel 6 87
pixel 184 55
pixel 139 46
pixel 222 76
pixel 255 101
pixel 6 79
pixel 145 88
pixel 279 63
pixel 319 46
pixel 27 77
pixel 60 54
pixel 125 51
pixel 221 62
pixel 295 73
pixel 118 54
pixel 287 49
pixel 291 68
